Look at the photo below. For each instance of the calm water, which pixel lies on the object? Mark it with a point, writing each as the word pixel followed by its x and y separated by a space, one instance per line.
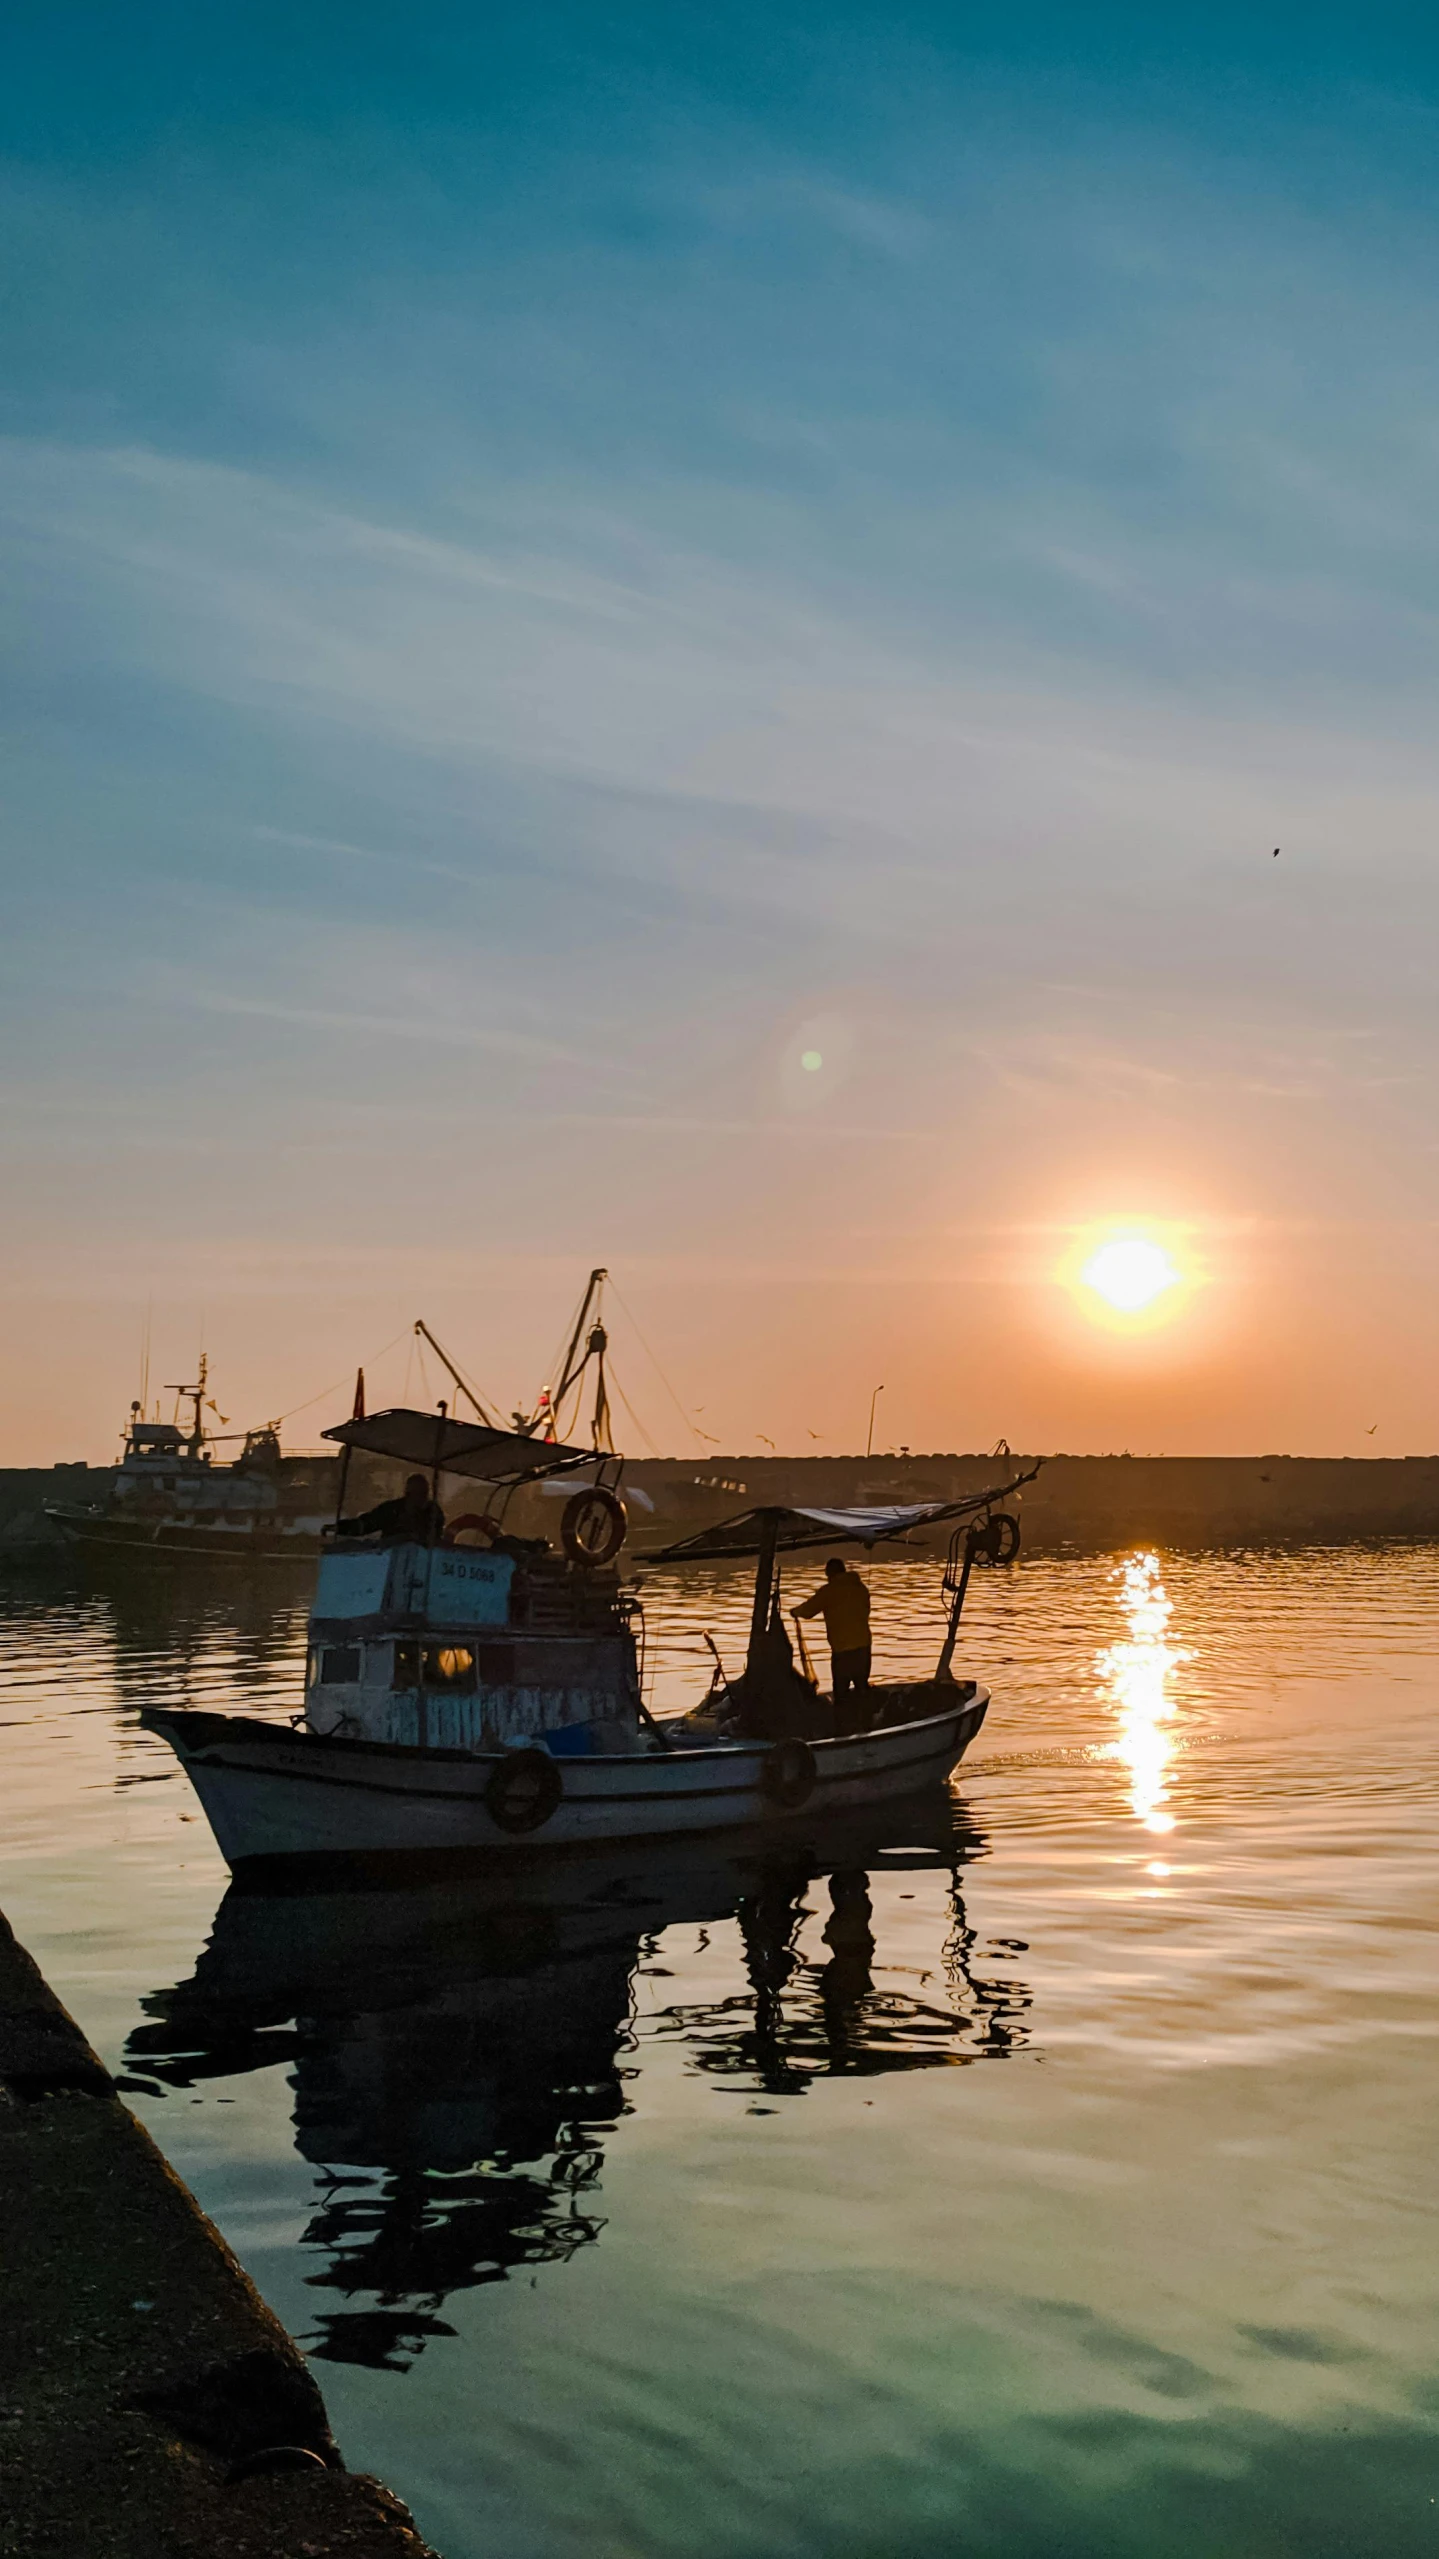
pixel 1055 2182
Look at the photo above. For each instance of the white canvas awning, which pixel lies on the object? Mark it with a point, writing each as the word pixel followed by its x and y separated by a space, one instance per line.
pixel 793 1524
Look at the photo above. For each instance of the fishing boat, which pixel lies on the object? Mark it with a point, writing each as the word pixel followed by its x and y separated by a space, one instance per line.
pixel 470 1692
pixel 170 1500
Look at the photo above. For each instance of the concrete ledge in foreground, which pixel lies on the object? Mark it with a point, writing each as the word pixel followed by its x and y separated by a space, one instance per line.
pixel 149 2402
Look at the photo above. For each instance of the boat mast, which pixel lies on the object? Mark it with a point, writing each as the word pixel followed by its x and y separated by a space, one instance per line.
pixel 575 1361
pixel 196 1393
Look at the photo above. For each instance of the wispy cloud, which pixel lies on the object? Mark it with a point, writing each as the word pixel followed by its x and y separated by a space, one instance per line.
pixel 714 697
pixel 420 1025
pixel 766 200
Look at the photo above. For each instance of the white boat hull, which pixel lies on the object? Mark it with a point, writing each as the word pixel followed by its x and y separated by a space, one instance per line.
pixel 271 1793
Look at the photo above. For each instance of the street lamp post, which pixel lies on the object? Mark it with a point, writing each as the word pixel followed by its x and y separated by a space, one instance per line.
pixel 869 1443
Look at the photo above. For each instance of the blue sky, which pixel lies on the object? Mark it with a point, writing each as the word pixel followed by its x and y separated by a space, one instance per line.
pixel 557 567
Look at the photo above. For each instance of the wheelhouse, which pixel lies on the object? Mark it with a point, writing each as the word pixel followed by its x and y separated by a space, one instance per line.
pixel 472 1648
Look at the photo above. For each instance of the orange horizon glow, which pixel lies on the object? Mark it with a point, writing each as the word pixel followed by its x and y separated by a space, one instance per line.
pixel 1000 1333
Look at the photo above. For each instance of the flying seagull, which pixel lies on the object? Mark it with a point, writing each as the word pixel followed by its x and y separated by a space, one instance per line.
pixel 1275 855
pixel 1373 1427
pixel 769 1443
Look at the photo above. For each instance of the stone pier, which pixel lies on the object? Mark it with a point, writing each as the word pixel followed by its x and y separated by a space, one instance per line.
pixel 150 2403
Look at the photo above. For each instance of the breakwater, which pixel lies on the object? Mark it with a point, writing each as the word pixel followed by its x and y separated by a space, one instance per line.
pixel 1081 1503
pixel 1084 1503
pixel 1078 1503
pixel 150 2403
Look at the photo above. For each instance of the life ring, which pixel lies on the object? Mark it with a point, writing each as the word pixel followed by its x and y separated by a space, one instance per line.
pixel 787 1774
pixel 483 1522
pixel 995 1540
pixel 594 1526
pixel 523 1789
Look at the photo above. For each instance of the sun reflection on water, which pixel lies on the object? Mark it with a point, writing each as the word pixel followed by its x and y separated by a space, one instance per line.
pixel 1136 1673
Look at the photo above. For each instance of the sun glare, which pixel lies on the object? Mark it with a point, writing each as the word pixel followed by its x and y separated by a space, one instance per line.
pixel 1130 1272
pixel 1136 1673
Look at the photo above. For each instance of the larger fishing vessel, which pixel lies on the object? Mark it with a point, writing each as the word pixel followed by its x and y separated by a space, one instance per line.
pixel 470 1692
pixel 170 1501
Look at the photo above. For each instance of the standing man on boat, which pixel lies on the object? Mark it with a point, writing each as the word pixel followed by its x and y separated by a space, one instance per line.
pixel 843 1602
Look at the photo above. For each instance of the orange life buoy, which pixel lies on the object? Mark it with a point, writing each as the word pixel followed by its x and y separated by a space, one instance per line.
pixel 482 1521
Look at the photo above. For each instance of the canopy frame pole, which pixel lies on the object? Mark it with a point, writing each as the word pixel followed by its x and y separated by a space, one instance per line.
pixel 946 1656
pixel 442 1410
pixel 439 1452
pixel 763 1594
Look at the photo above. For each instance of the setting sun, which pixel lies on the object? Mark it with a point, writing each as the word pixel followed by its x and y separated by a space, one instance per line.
pixel 1129 1272
pixel 1131 1276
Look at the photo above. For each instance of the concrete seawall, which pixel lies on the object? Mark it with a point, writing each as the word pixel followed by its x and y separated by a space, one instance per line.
pixel 1083 1502
pixel 149 2402
pixel 1092 1503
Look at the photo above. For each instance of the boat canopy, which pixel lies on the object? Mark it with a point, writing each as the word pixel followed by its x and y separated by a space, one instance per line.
pixel 428 1441
pixel 793 1525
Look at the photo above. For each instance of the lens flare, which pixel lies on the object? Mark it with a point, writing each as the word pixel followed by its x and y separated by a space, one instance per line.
pixel 1129 1273
pixel 1136 1673
pixel 815 1061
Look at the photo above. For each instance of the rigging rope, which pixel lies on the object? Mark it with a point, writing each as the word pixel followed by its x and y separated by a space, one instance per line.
pixel 630 1317
pixel 370 1360
pixel 634 1417
pixel 552 1374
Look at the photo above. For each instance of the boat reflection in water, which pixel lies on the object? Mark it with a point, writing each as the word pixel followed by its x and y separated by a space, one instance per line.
pixel 461 2051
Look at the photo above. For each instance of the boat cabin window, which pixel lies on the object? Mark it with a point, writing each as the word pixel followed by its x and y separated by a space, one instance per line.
pixel 439 1665
pixel 449 1666
pixel 339 1662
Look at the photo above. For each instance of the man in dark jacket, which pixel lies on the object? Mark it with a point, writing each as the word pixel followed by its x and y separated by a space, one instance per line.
pixel 412 1519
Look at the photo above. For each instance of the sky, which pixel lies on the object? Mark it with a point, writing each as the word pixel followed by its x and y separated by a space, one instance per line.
pixel 562 568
